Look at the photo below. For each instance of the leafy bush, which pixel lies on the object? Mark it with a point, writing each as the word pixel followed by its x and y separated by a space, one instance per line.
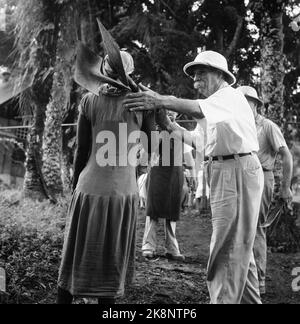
pixel 31 239
pixel 284 237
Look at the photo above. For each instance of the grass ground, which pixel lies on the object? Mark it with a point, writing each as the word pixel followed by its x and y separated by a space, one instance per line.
pixel 171 282
pixel 31 236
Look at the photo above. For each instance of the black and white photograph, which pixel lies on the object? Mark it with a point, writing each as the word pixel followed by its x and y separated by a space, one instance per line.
pixel 149 155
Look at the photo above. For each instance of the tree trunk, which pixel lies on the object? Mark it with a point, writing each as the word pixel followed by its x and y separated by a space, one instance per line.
pixel 66 172
pixel 273 74
pixel 33 184
pixel 273 70
pixel 37 59
pixel 52 144
pixel 89 27
pixel 62 87
pixel 44 57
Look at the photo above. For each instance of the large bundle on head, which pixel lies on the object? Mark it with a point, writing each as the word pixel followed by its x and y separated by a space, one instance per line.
pixel 90 72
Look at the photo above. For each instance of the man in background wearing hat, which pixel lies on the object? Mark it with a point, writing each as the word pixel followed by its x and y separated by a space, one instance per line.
pixel 271 142
pixel 235 174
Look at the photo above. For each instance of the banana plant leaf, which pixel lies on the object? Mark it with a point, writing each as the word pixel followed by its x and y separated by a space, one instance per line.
pixel 113 52
pixel 89 66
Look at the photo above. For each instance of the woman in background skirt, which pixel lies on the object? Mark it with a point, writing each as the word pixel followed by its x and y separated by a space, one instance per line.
pixel 164 199
pixel 99 248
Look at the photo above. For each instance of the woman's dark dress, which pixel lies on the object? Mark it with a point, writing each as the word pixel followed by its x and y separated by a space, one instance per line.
pixel 165 188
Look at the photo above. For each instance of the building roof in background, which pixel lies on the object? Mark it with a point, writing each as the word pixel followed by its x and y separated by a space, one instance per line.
pixel 4 70
pixel 8 90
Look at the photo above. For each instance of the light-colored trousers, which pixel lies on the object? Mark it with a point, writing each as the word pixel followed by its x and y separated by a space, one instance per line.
pixel 150 237
pixel 260 245
pixel 142 181
pixel 236 191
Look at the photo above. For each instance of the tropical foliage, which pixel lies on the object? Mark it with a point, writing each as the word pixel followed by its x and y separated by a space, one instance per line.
pixel 259 38
pixel 38 41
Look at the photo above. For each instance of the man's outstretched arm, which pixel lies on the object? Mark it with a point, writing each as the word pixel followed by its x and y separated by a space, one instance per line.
pixel 150 100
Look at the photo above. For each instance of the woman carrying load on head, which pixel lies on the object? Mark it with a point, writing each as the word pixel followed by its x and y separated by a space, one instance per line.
pixel 99 248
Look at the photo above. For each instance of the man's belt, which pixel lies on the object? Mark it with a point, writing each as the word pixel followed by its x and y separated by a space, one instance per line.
pixel 225 157
pixel 266 170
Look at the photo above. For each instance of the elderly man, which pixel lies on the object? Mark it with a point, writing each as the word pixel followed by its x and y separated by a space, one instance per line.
pixel 235 173
pixel 271 142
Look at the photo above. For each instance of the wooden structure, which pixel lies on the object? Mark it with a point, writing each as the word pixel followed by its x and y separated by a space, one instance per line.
pixel 12 141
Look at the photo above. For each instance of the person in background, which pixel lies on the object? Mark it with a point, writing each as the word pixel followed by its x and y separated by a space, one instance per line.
pixel 295 186
pixel 296 198
pixel 190 179
pixel 272 143
pixel 164 201
pixel 185 198
pixel 142 175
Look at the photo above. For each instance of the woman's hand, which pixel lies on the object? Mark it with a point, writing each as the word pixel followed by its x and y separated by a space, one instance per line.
pixel 195 183
pixel 162 119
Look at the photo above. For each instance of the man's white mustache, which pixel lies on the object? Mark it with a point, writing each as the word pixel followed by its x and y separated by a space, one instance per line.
pixel 197 85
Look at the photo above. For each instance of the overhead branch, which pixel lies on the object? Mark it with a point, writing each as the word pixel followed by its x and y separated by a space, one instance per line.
pixel 237 35
pixel 179 19
pixel 296 17
pixel 219 39
pixel 250 5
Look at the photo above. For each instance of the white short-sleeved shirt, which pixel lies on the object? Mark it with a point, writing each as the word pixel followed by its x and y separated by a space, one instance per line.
pixel 198 137
pixel 230 122
pixel 271 140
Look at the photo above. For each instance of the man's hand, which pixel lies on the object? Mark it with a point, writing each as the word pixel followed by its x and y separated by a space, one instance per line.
pixel 150 100
pixel 146 100
pixel 194 183
pixel 287 195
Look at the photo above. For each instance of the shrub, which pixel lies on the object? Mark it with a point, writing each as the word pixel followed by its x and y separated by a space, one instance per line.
pixel 31 239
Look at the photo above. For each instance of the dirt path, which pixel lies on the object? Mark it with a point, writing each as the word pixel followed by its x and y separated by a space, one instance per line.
pixel 183 283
